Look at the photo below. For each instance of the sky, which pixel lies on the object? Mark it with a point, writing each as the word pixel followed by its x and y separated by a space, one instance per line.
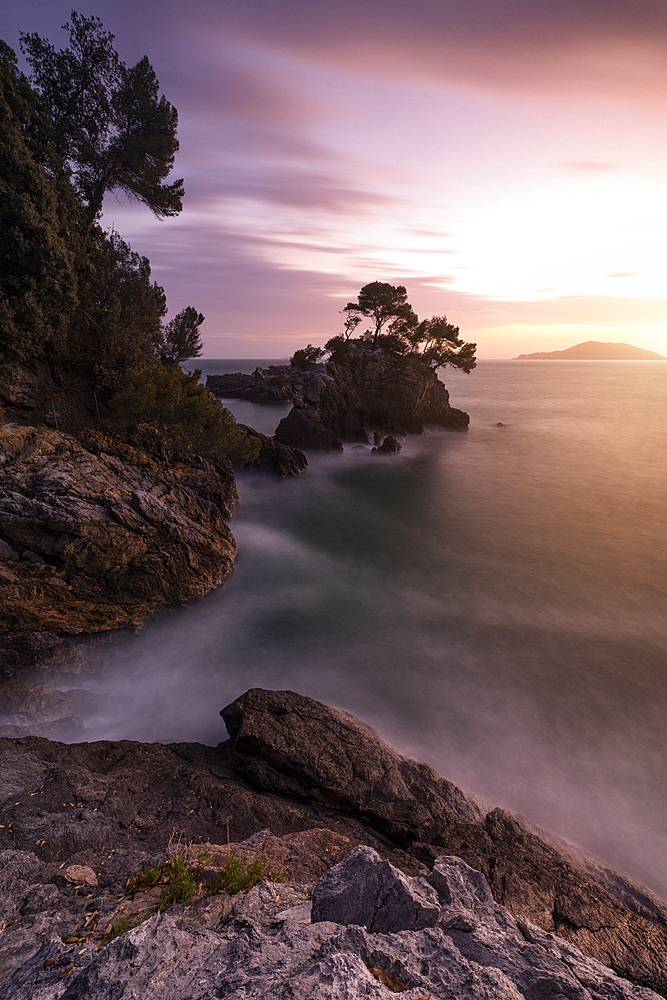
pixel 505 160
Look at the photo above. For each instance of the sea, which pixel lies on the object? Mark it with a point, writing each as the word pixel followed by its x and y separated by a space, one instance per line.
pixel 492 602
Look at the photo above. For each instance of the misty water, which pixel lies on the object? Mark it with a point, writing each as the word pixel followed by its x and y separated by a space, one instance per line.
pixel 492 602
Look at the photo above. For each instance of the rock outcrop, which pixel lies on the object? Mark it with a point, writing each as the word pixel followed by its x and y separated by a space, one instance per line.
pixel 275 457
pixel 265 385
pixel 294 766
pixel 363 889
pixel 290 745
pixel 98 537
pixel 347 397
pixel 271 943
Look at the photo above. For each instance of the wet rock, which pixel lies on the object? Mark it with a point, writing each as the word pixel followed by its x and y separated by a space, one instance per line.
pixel 305 430
pixel 370 388
pixel 339 400
pixel 265 385
pixel 69 729
pixel 276 457
pixel 365 890
pixel 390 446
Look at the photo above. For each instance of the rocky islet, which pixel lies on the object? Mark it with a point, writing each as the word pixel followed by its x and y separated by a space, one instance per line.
pixel 347 398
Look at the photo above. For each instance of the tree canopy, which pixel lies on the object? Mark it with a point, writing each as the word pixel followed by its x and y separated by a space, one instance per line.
pixel 181 338
pixel 435 341
pixel 381 302
pixel 109 125
pixel 38 216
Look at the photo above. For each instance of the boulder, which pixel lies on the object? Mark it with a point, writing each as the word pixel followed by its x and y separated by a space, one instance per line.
pixel 390 446
pixel 301 429
pixel 276 457
pixel 365 890
pixel 293 745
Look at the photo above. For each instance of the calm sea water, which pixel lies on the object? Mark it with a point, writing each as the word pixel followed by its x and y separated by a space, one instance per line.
pixel 492 602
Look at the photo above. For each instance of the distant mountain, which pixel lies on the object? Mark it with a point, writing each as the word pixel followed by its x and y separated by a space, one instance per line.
pixel 595 350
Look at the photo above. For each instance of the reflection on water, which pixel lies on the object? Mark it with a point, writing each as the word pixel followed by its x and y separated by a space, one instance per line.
pixel 493 602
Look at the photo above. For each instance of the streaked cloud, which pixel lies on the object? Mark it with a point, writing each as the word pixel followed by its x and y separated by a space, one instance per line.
pixel 590 166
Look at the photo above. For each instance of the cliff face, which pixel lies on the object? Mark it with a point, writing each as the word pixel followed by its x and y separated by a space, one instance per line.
pixel 342 400
pixel 98 537
pixel 498 913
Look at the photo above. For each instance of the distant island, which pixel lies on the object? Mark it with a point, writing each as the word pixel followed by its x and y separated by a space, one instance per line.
pixel 595 350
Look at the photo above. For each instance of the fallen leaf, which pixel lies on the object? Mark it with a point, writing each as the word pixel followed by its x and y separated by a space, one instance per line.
pixel 67 972
pixel 388 979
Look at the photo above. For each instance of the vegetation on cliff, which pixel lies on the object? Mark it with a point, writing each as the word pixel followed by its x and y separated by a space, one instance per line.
pixel 77 304
pixel 396 330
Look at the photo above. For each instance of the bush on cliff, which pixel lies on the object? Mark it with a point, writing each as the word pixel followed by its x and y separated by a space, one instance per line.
pixel 38 227
pixel 433 342
pixel 116 328
pixel 183 409
pixel 71 294
pixel 307 356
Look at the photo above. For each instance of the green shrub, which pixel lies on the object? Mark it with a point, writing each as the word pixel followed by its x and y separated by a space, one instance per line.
pixel 183 409
pixel 235 877
pixel 121 927
pixel 182 883
pixel 307 356
pixel 178 882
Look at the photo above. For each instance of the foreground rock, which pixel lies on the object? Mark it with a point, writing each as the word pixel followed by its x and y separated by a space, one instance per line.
pixel 365 890
pixel 344 399
pixel 98 537
pixel 269 944
pixel 297 767
pixel 291 745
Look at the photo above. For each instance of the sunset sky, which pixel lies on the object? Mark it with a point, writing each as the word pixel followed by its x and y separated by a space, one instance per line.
pixel 506 161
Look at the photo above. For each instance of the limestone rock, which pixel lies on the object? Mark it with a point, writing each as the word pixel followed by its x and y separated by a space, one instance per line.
pixel 200 950
pixel 365 890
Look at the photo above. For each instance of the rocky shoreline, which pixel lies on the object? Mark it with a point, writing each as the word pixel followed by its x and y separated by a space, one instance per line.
pixel 98 535
pixel 465 903
pixel 98 532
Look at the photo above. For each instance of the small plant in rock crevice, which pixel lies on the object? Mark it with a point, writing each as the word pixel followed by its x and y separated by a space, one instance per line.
pixel 235 877
pixel 180 882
